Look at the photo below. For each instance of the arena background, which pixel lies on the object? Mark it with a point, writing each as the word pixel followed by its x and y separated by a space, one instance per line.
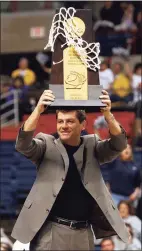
pixel 24 33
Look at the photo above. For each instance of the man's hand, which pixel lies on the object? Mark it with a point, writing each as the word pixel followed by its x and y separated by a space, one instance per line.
pixel 134 195
pixel 113 125
pixel 45 100
pixel 105 100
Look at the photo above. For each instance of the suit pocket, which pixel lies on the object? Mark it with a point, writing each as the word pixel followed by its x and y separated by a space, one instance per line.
pixel 28 203
pixel 111 202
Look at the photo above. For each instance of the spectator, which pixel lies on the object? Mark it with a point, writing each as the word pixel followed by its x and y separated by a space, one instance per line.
pixel 137 82
pixel 5 238
pixel 124 168
pixel 117 68
pixel 44 61
pixel 121 88
pixel 22 90
pixel 23 71
pixel 109 13
pixel 139 32
pixel 99 123
pixel 18 84
pixel 106 76
pixel 126 212
pixel 127 23
pixel 134 243
pixel 5 244
pixel 107 244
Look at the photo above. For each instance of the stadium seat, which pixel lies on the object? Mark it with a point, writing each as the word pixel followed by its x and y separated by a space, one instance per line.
pixel 17 177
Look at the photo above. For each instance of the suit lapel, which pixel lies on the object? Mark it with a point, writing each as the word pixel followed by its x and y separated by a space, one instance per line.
pixel 63 152
pixel 78 155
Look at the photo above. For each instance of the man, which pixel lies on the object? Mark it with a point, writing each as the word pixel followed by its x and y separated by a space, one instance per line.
pixel 23 71
pixel 69 195
pixel 106 76
pixel 107 244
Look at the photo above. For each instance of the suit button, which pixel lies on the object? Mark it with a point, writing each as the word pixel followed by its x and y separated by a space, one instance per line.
pixel 63 179
pixel 47 210
pixel 54 195
pixel 86 183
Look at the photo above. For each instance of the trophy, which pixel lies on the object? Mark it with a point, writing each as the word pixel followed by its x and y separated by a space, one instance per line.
pixel 75 61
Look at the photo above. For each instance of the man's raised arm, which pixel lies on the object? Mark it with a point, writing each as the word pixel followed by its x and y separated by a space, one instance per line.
pixel 107 150
pixel 33 148
pixel 46 98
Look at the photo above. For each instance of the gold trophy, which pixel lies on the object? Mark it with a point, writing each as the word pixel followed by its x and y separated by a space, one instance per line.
pixel 75 61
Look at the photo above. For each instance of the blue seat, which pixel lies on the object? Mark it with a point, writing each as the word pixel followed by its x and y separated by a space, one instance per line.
pixel 5 174
pixel 17 177
pixel 7 200
pixel 138 158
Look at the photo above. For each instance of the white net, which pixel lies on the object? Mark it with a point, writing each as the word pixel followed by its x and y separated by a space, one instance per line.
pixel 63 24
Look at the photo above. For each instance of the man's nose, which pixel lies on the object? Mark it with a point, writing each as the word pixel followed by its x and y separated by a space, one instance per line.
pixel 64 125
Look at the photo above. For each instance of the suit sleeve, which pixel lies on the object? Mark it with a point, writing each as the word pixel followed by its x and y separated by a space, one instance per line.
pixel 32 148
pixel 108 150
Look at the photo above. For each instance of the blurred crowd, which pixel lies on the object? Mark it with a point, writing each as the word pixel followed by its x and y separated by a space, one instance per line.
pixel 123 84
pixel 123 175
pixel 116 24
pixel 120 25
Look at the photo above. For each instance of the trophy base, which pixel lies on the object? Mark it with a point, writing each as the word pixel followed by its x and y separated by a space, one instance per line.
pixel 92 104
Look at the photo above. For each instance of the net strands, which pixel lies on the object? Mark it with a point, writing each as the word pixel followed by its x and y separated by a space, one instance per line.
pixel 63 25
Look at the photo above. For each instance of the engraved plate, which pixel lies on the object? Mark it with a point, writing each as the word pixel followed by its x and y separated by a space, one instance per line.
pixel 75 76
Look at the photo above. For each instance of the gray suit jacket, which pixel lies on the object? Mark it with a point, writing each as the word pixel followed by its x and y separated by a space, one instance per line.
pixel 52 162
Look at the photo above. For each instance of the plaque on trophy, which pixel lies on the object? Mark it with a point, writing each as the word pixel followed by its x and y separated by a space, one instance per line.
pixel 75 61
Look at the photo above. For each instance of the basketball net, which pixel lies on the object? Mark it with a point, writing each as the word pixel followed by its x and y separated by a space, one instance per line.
pixel 63 24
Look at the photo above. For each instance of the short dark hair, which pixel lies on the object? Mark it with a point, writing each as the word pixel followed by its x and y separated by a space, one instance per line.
pixel 80 114
pixel 128 204
pixel 107 239
pixel 20 78
pixel 137 66
pixel 105 62
pixel 120 65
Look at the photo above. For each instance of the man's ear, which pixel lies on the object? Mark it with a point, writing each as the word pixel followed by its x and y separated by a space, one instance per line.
pixel 83 125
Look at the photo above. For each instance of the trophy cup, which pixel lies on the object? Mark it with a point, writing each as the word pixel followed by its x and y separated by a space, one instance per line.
pixel 75 61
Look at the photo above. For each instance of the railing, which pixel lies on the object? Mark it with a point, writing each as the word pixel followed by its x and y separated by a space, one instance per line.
pixel 9 108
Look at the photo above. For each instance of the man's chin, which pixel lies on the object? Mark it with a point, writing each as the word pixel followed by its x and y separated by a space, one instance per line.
pixel 65 137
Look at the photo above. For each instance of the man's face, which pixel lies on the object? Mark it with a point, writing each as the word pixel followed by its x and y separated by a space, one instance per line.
pixel 103 67
pixel 69 127
pixel 139 71
pixel 116 68
pixel 124 210
pixel 107 245
pixel 4 88
pixel 23 64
